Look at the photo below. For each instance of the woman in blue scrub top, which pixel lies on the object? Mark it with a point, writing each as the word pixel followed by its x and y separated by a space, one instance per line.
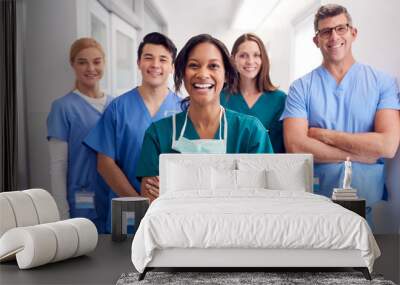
pixel 205 127
pixel 74 179
pixel 254 94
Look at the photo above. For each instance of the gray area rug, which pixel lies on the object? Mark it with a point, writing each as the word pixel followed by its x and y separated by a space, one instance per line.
pixel 270 278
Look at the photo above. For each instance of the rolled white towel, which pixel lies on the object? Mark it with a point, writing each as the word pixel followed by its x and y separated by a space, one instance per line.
pixel 23 208
pixel 32 246
pixel 26 208
pixel 67 240
pixel 40 244
pixel 46 207
pixel 7 218
pixel 87 235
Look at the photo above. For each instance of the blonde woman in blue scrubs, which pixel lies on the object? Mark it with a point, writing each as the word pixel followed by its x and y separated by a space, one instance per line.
pixel 74 179
pixel 204 66
pixel 254 94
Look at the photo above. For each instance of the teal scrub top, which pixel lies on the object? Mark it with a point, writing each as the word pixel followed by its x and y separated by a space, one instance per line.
pixel 246 134
pixel 268 109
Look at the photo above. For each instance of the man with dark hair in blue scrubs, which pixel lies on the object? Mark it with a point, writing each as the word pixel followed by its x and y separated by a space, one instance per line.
pixel 118 136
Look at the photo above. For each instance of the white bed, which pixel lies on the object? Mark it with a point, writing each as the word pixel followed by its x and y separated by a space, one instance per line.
pixel 247 210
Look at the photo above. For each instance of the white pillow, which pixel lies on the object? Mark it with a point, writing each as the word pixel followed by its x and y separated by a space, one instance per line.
pixel 294 180
pixel 227 179
pixel 183 177
pixel 224 179
pixel 252 178
pixel 283 173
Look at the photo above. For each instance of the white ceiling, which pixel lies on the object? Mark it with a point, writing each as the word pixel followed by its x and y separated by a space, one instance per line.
pixel 187 18
pixel 199 14
pixel 214 14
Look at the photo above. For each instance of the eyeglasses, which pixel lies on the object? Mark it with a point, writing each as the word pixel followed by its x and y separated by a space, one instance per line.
pixel 339 30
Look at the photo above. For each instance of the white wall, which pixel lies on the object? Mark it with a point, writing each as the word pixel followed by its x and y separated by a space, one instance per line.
pixel 280 54
pixel 50 30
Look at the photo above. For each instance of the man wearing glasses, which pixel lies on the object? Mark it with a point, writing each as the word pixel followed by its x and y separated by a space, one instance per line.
pixel 343 109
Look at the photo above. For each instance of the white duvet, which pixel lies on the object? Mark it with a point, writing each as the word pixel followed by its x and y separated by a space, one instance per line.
pixel 252 218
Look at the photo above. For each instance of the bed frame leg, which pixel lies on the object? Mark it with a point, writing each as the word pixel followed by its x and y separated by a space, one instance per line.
pixel 143 274
pixel 364 271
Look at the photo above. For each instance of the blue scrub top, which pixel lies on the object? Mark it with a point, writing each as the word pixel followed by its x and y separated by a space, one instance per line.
pixel 70 120
pixel 246 134
pixel 120 131
pixel 349 106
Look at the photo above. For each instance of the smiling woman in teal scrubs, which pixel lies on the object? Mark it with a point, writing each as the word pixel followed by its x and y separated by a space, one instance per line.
pixel 205 126
pixel 254 94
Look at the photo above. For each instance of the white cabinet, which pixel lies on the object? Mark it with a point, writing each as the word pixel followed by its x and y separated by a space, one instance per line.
pixel 123 56
pixel 119 41
pixel 117 25
pixel 99 28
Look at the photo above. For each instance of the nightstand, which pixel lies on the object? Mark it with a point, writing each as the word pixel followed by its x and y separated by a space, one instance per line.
pixel 357 205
